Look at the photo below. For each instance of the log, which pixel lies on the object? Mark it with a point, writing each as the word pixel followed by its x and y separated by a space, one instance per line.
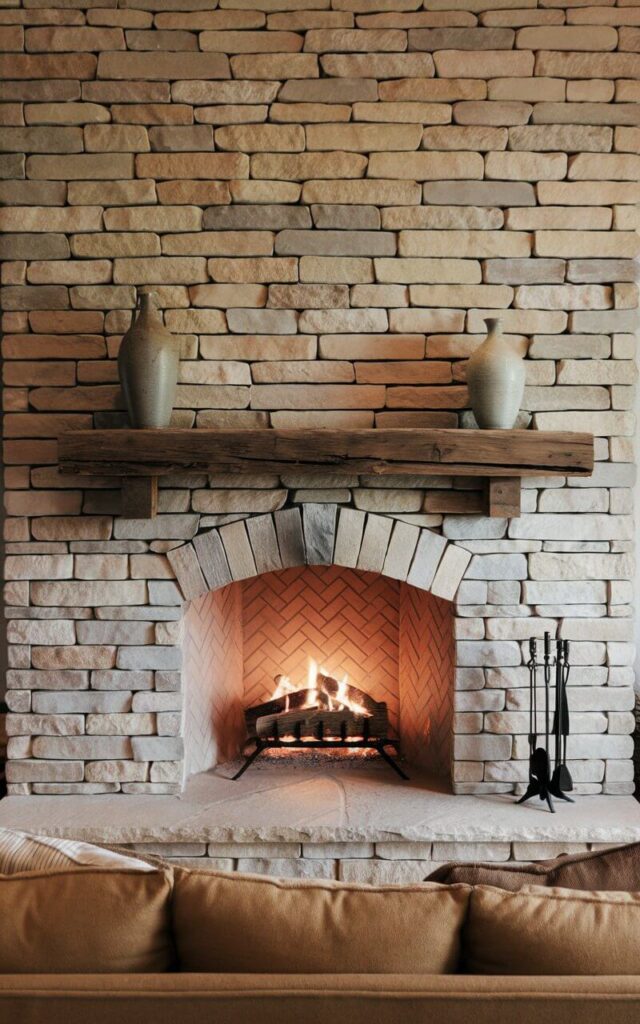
pixel 309 720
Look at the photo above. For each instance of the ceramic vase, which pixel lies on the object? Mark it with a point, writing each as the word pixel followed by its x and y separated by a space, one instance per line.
pixel 495 377
pixel 148 363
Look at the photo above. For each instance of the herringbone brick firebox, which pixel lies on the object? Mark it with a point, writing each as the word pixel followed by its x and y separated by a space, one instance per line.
pixel 392 640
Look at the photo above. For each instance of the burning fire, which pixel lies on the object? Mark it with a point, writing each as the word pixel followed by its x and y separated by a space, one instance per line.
pixel 318 696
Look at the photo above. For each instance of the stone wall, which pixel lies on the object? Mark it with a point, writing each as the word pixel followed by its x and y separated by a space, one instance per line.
pixel 331 196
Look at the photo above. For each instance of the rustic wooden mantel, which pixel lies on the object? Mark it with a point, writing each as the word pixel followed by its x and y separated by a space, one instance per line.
pixel 500 458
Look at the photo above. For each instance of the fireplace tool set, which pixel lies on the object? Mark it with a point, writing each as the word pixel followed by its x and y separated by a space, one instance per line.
pixel 544 782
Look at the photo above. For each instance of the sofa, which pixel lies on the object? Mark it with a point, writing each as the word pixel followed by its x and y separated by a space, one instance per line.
pixel 124 939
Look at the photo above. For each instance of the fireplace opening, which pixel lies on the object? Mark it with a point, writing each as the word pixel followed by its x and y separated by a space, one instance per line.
pixel 318 658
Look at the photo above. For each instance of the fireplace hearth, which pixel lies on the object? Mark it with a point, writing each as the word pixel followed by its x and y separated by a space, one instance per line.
pixel 327 715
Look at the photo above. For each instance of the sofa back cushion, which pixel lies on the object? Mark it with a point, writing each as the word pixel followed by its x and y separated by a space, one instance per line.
pixel 552 931
pixel 85 920
pixel 616 869
pixel 252 923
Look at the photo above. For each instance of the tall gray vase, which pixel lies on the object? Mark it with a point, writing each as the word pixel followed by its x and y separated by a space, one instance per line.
pixel 148 363
pixel 495 377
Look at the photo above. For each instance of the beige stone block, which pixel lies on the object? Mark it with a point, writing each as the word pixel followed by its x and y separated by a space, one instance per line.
pixel 492 113
pixel 338 243
pixel 379 295
pixel 115 243
pixel 604 166
pixel 378 192
pixel 594 244
pixel 118 138
pixel 364 138
pixel 586 138
pixel 305 113
pixel 73 272
pixel 627 140
pixel 499 296
pixel 177 269
pixel 397 113
pixel 371 346
pixel 48 632
pixel 472 137
pixel 204 371
pixel 251 42
pixel 342 320
pixel 55 39
pixel 426 166
pixel 564 297
pixel 308 296
pixel 432 90
pixel 82 747
pixel 578 64
pixel 253 270
pixel 121 725
pixel 258 138
pixel 258 349
pixel 585 113
pixel 265 191
pixel 355 40
pixel 427 320
pixel 417 270
pixel 336 270
pixel 232 113
pixel 116 193
pixel 164 66
pixel 601 424
pixel 581 218
pixel 192 165
pixel 474 244
pixel 583 193
pixel 567 37
pixel 65 113
pixel 89 593
pixel 222 502
pixel 484 64
pixel 80 166
pixel 452 38
pixel 141 218
pixel 225 295
pixel 210 19
pixel 273 66
pixel 526 166
pixel 304 166
pixel 378 65
pixel 47 66
pixel 73 657
pixel 590 92
pixel 301 396
pixel 527 90
pixel 181 138
pixel 219 243
pixel 520 321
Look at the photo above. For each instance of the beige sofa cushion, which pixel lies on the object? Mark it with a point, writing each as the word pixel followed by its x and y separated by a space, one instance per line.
pixel 256 924
pixel 612 870
pixel 552 931
pixel 85 920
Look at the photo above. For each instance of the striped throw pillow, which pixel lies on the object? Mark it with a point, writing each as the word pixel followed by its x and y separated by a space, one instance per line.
pixel 22 852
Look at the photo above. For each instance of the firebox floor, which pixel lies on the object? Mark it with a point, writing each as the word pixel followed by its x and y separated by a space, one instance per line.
pixel 320 803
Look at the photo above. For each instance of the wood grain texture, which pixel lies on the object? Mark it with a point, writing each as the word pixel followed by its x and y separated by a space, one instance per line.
pixel 380 452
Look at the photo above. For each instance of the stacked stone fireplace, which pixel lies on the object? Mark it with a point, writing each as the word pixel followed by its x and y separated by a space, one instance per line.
pixel 113 688
pixel 330 198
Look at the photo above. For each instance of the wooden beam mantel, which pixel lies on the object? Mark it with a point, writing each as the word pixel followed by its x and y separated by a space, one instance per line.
pixel 493 455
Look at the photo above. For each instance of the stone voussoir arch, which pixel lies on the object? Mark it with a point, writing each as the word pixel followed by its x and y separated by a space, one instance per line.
pixel 315 534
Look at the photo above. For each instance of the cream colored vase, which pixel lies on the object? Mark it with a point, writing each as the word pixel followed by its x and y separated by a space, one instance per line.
pixel 495 376
pixel 148 363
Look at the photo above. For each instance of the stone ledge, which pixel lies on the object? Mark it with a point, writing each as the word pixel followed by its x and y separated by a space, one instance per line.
pixel 289 805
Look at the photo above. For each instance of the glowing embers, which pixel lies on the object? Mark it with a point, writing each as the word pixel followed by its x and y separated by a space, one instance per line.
pixel 327 713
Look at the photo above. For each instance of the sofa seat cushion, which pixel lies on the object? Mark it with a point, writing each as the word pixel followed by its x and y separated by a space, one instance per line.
pixel 540 931
pixel 85 920
pixel 617 869
pixel 253 923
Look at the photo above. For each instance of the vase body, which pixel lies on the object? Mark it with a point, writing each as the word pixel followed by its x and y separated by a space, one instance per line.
pixel 495 377
pixel 148 363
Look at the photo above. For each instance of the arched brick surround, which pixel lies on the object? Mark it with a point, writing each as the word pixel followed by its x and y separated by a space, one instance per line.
pixel 212 568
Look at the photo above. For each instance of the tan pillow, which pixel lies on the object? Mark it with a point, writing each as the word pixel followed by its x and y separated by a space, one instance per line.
pixel 252 923
pixel 85 920
pixel 552 931
pixel 611 870
pixel 20 851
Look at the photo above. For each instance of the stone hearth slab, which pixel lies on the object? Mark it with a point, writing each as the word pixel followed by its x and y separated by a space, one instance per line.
pixel 278 803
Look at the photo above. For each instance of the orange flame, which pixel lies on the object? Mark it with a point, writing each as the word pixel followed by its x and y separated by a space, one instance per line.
pixel 317 693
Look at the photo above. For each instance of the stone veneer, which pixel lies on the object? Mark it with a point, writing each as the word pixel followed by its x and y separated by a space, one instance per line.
pixel 331 196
